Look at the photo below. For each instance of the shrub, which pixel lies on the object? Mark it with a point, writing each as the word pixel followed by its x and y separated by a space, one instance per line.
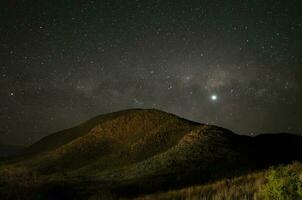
pixel 282 183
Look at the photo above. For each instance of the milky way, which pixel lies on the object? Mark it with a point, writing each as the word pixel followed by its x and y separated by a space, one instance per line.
pixel 236 64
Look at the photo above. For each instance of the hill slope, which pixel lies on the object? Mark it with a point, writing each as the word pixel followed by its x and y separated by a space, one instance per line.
pixel 138 151
pixel 248 186
pixel 9 150
pixel 116 139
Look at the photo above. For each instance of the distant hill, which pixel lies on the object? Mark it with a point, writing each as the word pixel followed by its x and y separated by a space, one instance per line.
pixel 9 150
pixel 139 151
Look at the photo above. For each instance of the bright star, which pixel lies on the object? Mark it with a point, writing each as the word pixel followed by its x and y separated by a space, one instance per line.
pixel 214 97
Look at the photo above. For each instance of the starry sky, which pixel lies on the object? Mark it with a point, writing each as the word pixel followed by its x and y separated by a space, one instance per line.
pixel 235 63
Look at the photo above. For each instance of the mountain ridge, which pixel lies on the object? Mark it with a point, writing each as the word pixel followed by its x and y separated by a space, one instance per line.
pixel 142 150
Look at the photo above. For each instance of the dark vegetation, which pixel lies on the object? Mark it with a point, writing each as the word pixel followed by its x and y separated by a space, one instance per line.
pixel 277 183
pixel 134 152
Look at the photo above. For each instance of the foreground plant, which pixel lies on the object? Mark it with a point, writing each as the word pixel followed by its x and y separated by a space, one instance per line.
pixel 282 183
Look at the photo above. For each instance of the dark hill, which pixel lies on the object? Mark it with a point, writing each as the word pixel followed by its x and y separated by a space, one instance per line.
pixel 269 149
pixel 9 150
pixel 138 151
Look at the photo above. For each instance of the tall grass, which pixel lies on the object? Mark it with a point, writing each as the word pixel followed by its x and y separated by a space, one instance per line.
pixel 248 187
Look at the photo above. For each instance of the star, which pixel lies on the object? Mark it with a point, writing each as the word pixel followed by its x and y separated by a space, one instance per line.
pixel 187 78
pixel 214 97
pixel 182 65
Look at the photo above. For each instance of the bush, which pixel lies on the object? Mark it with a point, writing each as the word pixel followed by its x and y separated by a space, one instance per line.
pixel 282 183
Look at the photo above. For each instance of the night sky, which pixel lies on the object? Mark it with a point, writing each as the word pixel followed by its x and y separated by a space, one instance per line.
pixel 234 63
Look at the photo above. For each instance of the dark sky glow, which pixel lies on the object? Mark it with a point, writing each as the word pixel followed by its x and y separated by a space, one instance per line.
pixel 63 62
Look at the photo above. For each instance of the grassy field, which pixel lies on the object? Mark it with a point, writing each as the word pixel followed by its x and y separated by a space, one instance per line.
pixel 247 187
